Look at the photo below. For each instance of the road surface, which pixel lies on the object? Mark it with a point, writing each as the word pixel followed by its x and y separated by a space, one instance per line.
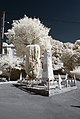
pixel 17 104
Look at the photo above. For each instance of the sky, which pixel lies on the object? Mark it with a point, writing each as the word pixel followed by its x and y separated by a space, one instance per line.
pixel 62 16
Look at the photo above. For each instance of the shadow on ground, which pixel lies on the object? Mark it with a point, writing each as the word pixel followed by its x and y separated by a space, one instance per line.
pixel 31 90
pixel 75 106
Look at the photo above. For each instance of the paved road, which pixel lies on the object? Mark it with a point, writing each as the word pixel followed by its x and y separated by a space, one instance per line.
pixel 17 104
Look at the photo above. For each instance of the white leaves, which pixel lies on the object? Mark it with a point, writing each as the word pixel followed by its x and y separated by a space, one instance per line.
pixel 29 31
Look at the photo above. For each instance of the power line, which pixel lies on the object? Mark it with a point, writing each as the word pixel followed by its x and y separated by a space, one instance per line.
pixel 65 21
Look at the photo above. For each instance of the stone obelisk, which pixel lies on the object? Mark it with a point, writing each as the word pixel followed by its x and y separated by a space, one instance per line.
pixel 47 67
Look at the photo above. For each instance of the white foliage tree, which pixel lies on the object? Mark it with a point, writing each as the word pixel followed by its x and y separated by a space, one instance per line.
pixel 66 53
pixel 67 59
pixel 57 48
pixel 76 55
pixel 76 59
pixel 28 31
pixel 71 57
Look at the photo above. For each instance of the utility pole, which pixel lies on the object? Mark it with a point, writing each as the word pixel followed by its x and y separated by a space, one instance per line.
pixel 2 21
